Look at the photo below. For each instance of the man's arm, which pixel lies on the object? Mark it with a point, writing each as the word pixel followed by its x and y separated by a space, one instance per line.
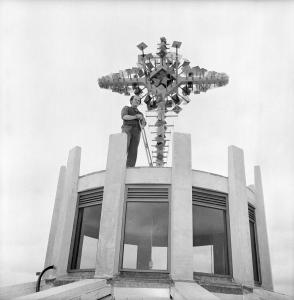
pixel 129 117
pixel 125 116
pixel 143 121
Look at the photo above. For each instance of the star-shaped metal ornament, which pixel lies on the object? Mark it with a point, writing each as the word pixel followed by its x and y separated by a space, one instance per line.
pixel 167 80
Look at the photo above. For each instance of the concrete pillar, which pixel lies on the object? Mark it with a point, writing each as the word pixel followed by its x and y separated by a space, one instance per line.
pixel 239 220
pixel 181 209
pixel 50 254
pixel 67 212
pixel 262 236
pixel 107 262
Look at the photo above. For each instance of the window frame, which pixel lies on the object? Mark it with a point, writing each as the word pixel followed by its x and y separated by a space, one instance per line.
pixel 78 226
pixel 227 228
pixel 252 219
pixel 144 200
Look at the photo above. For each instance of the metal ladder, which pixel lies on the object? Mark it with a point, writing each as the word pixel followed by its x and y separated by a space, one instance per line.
pixel 149 158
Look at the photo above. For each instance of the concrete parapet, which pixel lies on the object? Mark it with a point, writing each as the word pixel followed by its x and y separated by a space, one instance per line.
pixel 147 175
pixel 181 209
pixel 112 208
pixel 239 221
pixel 18 290
pixel 88 289
pixel 133 293
pixel 268 295
pixel 91 181
pixel 262 236
pixel 190 291
pixel 67 212
pixel 209 181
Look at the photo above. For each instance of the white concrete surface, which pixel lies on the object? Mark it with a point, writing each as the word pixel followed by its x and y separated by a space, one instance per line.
pixel 210 181
pixel 181 209
pixel 147 175
pixel 91 181
pixel 17 290
pixel 258 294
pixel 250 296
pixel 50 253
pixel 88 289
pixel 112 208
pixel 123 293
pixel 239 221
pixel 262 235
pixel 67 212
pixel 268 295
pixel 190 291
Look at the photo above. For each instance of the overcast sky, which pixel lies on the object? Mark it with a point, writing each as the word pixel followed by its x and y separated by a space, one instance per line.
pixel 51 54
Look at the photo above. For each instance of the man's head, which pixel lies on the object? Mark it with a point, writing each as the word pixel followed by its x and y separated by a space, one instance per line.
pixel 135 101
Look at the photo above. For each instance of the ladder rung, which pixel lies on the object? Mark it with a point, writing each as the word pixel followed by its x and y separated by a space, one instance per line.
pixel 157 141
pixel 166 116
pixel 164 132
pixel 156 110
pixel 162 152
pixel 164 125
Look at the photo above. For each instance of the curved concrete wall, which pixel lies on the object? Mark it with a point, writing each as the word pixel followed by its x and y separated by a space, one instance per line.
pixel 181 179
pixel 91 181
pixel 146 175
pixel 210 181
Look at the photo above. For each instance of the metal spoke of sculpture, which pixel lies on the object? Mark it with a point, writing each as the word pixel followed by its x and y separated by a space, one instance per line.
pixel 164 81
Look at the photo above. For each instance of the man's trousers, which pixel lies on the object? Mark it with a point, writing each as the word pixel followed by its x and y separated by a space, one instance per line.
pixel 133 133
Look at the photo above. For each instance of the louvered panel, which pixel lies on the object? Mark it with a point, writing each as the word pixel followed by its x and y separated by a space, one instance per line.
pixel 147 193
pixel 219 201
pixel 97 197
pixel 209 198
pixel 209 195
pixel 251 212
pixel 91 196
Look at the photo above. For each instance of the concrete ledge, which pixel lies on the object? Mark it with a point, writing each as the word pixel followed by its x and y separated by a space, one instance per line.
pixel 85 289
pixel 17 290
pixel 91 181
pixel 190 291
pixel 209 181
pixel 124 293
pixel 148 175
pixel 264 294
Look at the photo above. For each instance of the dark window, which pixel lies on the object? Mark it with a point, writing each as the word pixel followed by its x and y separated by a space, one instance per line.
pixel 145 244
pixel 210 243
pixel 87 229
pixel 254 251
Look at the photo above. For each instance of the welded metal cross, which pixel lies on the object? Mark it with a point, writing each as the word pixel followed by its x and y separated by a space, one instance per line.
pixel 164 81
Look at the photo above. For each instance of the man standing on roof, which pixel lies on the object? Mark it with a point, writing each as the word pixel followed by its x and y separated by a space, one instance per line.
pixel 131 117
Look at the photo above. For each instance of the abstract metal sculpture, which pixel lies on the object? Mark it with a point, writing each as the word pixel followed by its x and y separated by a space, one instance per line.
pixel 164 81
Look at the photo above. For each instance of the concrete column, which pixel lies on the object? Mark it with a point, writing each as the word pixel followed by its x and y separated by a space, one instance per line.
pixel 50 255
pixel 181 209
pixel 239 220
pixel 67 212
pixel 107 262
pixel 262 236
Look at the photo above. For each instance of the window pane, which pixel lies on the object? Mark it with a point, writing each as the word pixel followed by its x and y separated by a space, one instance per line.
pixel 203 259
pixel 146 236
pixel 210 240
pixel 87 235
pixel 253 251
